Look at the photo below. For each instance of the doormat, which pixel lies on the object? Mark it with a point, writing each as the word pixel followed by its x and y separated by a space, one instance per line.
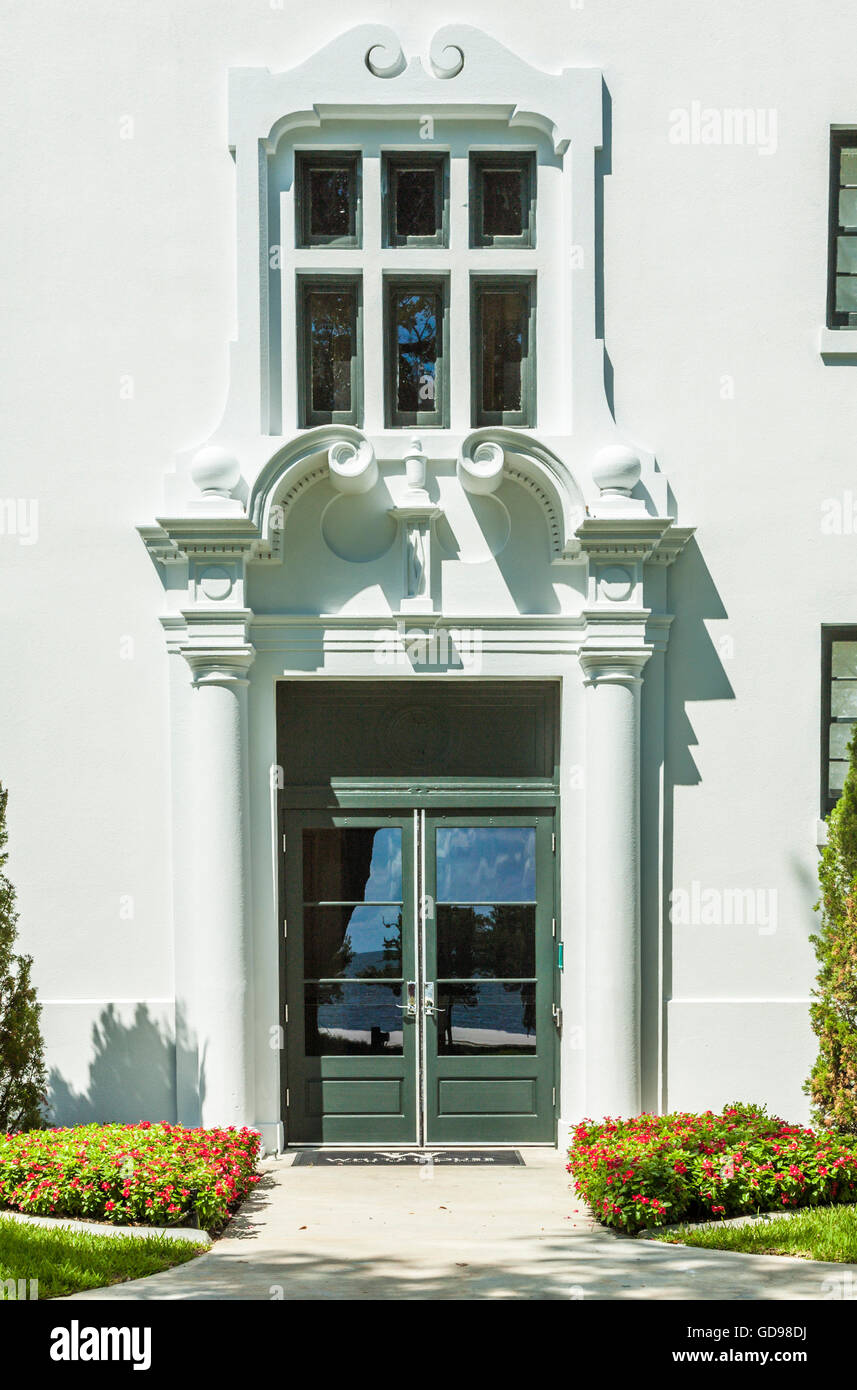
pixel 334 1158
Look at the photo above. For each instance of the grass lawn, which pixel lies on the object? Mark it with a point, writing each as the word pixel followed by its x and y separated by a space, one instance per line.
pixel 819 1233
pixel 67 1262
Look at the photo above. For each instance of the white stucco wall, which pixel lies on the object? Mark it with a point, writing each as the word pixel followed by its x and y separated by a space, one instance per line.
pixel 119 280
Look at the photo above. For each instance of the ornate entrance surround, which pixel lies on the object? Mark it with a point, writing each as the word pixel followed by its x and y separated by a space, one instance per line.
pixel 243 540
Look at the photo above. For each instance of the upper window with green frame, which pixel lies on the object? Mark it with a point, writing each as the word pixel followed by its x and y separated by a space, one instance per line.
pixel 416 313
pixel 327 199
pixel 502 199
pixel 838 709
pixel 503 372
pixel 329 347
pixel 415 193
pixel 842 258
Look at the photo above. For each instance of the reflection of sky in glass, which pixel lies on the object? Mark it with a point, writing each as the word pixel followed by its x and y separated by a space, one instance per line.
pixel 485 864
pixel 384 883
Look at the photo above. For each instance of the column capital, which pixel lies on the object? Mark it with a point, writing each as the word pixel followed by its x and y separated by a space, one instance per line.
pixel 224 666
pixel 603 665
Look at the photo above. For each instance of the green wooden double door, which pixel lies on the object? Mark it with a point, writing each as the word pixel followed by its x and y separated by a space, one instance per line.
pixel 420 978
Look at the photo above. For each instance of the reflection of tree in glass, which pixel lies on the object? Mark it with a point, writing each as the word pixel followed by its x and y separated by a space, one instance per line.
pixel 391 952
pixel 416 334
pixel 330 318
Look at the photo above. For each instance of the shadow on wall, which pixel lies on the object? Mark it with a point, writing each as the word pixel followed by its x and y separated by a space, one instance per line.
pixel 695 672
pixel 132 1073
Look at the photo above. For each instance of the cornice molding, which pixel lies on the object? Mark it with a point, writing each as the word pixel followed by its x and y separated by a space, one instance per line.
pixel 464 69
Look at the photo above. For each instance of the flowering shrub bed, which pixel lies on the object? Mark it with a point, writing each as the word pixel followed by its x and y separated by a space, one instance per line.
pixel 658 1169
pixel 149 1174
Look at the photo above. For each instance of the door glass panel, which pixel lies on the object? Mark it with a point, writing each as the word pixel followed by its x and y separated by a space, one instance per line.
pixel 478 864
pixel 486 1018
pixel 352 1019
pixel 357 865
pixel 356 942
pixel 492 942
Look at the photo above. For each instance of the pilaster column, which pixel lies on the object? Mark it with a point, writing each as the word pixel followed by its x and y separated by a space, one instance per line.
pixel 612 1039
pixel 221 940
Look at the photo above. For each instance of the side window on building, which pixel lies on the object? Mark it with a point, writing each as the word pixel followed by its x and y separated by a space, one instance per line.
pixel 842 260
pixel 838 709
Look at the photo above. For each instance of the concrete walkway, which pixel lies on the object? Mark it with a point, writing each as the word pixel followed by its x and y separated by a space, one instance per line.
pixel 453 1232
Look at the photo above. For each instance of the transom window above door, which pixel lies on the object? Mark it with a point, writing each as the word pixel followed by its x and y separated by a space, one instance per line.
pixel 416 272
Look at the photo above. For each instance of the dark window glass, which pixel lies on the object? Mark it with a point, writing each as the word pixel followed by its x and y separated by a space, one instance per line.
pixel 842 296
pixel 416 326
pixel 491 1017
pixel 352 1019
pixel 356 865
pixel 416 202
pixel 502 199
pixel 330 195
pixel 327 203
pixel 358 942
pixel 331 325
pixel 503 202
pixel 486 942
pixel 504 329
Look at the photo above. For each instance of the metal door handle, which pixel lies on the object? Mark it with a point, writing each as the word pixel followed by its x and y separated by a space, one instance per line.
pixel 429 1005
pixel 410 1008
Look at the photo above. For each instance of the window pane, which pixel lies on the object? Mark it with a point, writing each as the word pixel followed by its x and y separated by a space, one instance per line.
pixel 836 778
pixel 846 293
pixel 840 735
pixel 844 659
pixel 503 211
pixel 504 315
pixel 330 318
pixel 354 942
pixel 353 865
pixel 330 200
pixel 416 325
pixel 352 1019
pixel 486 1018
pixel 486 864
pixel 843 699
pixel 848 207
pixel 416 202
pixel 848 166
pixel 846 254
pixel 494 942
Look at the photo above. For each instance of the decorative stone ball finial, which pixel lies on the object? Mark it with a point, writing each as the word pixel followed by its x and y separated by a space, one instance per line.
pixel 215 471
pixel 616 470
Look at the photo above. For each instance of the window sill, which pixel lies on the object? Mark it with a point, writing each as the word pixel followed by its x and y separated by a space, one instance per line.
pixel 821 833
pixel 838 344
